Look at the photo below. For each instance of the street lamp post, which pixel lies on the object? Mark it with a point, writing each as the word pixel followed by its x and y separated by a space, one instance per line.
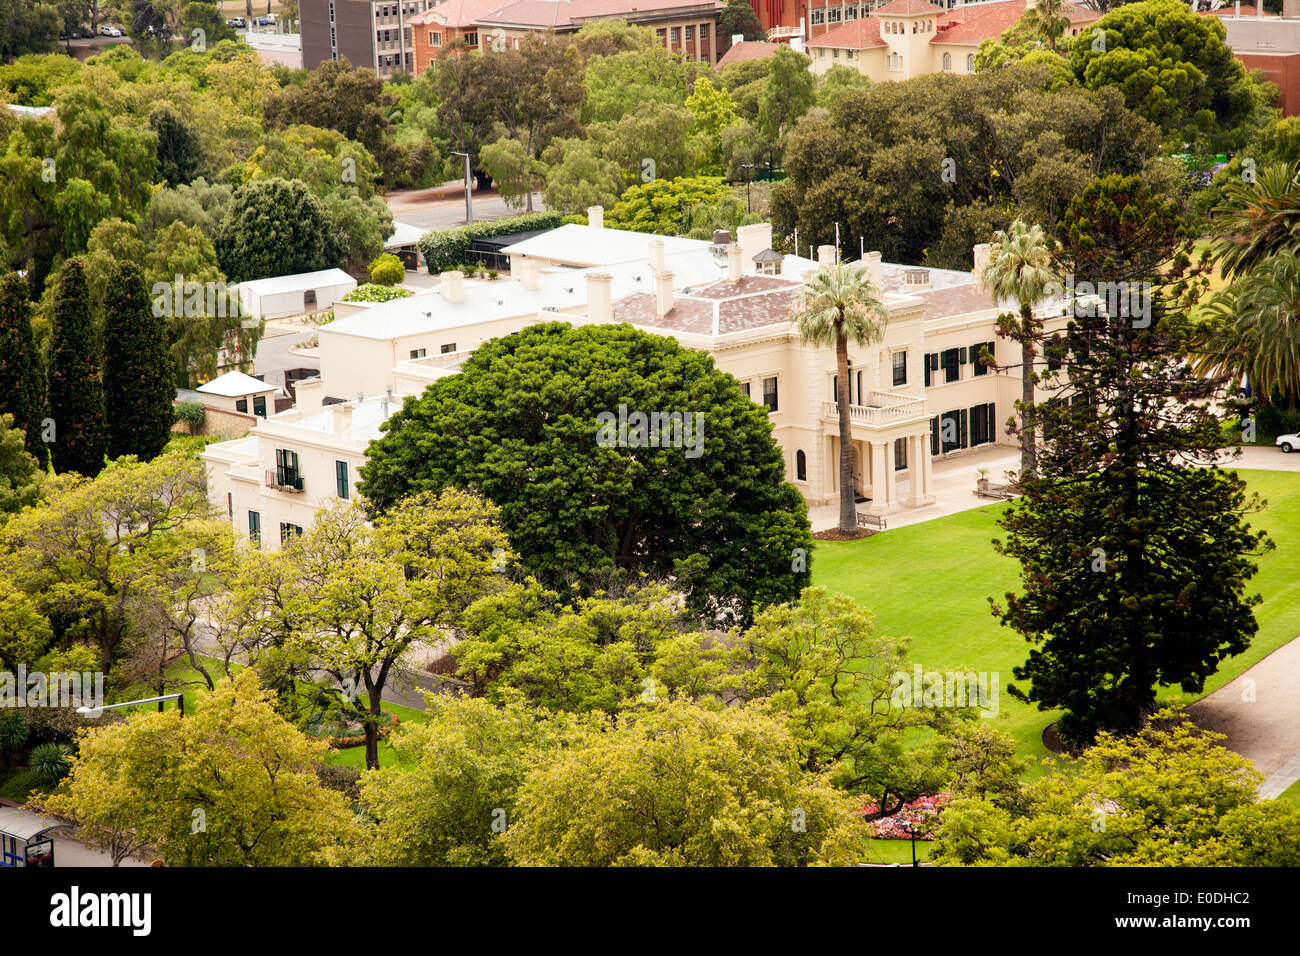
pixel 93 712
pixel 469 208
pixel 749 179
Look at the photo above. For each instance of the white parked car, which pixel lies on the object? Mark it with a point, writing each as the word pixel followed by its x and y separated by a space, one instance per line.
pixel 1288 443
pixel 107 31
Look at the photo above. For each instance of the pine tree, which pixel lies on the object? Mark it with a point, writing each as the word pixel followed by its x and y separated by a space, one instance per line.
pixel 1134 548
pixel 22 378
pixel 138 390
pixel 76 386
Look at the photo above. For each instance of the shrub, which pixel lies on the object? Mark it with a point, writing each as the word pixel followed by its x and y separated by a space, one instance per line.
pixel 387 270
pixel 20 785
pixel 445 248
pixel 346 780
pixel 13 732
pixel 369 292
pixel 190 412
pixel 49 762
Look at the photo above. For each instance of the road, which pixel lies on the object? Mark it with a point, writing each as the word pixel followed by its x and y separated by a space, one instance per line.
pixel 442 207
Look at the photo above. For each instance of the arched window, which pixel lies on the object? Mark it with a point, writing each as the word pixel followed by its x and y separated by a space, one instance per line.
pixel 801 465
pixel 970 63
pixel 947 63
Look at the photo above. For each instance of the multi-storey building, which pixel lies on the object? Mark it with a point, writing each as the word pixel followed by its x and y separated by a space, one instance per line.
pixel 906 38
pixel 686 26
pixel 918 395
pixel 367 33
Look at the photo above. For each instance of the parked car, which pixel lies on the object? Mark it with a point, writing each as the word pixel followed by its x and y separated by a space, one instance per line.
pixel 237 22
pixel 1288 443
pixel 107 31
pixel 263 21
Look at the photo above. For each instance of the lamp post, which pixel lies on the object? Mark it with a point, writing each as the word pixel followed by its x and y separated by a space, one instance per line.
pixel 469 208
pixel 93 712
pixel 749 179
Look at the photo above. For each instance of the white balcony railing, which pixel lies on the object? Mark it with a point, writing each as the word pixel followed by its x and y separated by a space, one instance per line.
pixel 882 408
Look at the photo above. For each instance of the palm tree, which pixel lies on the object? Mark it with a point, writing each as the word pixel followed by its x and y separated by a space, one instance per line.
pixel 842 305
pixel 1253 329
pixel 1021 267
pixel 1257 219
pixel 1048 19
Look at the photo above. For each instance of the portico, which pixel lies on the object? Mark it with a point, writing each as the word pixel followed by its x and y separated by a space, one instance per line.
pixel 891 438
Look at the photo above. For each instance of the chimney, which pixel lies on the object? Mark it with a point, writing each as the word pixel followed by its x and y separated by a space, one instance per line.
pixel 384 405
pixel 342 420
pixel 657 255
pixel 737 38
pixel 452 286
pixel 596 217
pixel 826 255
pixel 528 272
pixel 753 239
pixel 981 252
pixel 599 302
pixel 735 265
pixel 874 271
pixel 663 293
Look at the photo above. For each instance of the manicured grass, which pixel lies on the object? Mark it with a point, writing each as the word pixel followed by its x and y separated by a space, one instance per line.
pixel 1292 793
pixel 894 851
pixel 932 582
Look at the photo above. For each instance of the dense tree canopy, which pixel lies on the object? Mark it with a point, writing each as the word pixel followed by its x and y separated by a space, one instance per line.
pixel 520 425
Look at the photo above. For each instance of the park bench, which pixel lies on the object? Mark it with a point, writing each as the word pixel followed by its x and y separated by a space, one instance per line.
pixel 991 490
pixel 871 521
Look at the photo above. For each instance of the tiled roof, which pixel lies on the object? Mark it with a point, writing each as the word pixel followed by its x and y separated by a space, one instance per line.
pixel 908 8
pixel 562 13
pixel 748 50
pixel 971 24
pixel 456 13
pixel 854 35
pixel 717 309
pixel 1246 11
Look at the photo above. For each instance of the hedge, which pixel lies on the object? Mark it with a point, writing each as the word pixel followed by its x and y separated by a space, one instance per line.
pixel 446 248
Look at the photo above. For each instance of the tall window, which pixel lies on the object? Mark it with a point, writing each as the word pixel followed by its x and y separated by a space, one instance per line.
pixel 259 406
pixel 951 362
pixel 900 454
pixel 980 367
pixel 230 505
pixel 900 368
pixel 800 465
pixel 286 469
pixel 255 528
pixel 983 424
pixel 341 479
pixel 947 63
pixel 970 63
pixel 769 393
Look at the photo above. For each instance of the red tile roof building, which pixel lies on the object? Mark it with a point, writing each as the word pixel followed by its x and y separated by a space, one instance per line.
pixel 688 26
pixel 906 38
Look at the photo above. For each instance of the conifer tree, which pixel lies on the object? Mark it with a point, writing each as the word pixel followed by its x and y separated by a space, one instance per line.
pixel 138 389
pixel 76 386
pixel 1134 546
pixel 22 378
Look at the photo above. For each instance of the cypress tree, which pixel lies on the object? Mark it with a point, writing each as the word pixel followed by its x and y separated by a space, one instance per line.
pixel 138 390
pixel 22 378
pixel 76 386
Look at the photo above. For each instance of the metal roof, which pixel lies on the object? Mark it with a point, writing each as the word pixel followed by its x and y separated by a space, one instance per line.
pixel 25 825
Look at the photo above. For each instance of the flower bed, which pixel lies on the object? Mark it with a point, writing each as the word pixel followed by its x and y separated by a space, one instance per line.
pixel 359 740
pixel 920 817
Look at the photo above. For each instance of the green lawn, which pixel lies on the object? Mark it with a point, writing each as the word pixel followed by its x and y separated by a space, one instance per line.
pixel 1292 793
pixel 894 851
pixel 932 581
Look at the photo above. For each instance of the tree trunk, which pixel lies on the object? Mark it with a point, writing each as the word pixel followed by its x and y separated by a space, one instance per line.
pixel 848 506
pixel 372 729
pixel 1028 351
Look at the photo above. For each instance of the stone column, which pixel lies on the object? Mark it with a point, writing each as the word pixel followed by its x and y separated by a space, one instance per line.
pixel 879 478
